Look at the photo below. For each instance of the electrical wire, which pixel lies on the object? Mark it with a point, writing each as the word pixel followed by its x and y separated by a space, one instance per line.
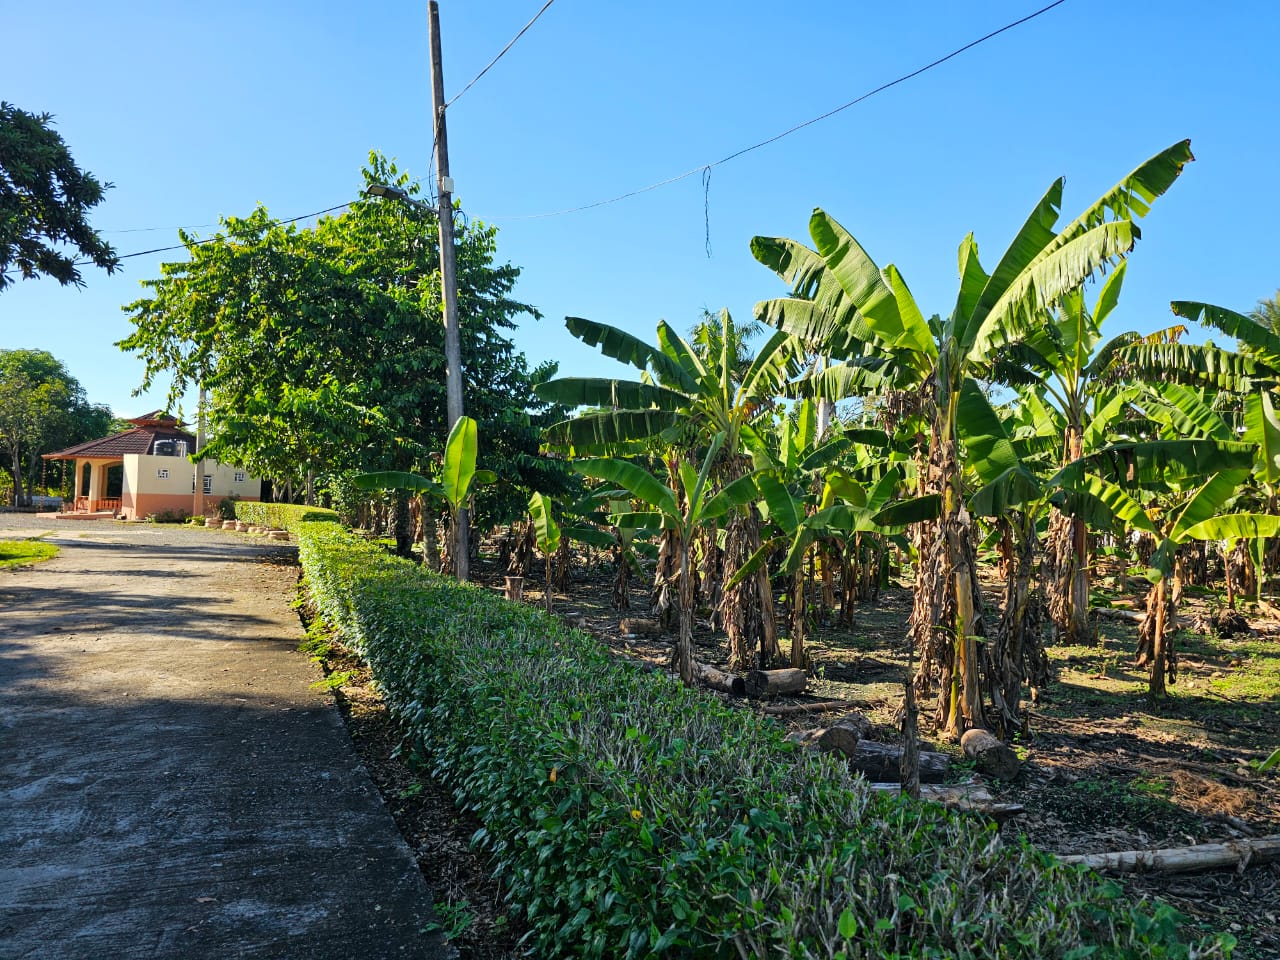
pixel 196 243
pixel 501 54
pixel 706 167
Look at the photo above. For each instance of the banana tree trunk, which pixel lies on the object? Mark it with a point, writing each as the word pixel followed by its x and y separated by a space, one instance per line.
pixel 620 599
pixel 683 654
pixel 546 597
pixel 946 614
pixel 1067 563
pixel 401 527
pixel 1017 654
pixel 664 580
pixel 430 538
pixel 747 609
pixel 799 657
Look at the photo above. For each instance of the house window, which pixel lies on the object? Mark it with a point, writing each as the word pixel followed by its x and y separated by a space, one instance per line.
pixel 162 473
pixel 208 484
pixel 239 476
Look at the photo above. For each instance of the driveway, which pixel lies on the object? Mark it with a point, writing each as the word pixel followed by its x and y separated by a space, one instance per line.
pixel 171 784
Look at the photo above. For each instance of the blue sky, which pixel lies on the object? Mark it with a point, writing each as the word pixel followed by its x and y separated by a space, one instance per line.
pixel 197 111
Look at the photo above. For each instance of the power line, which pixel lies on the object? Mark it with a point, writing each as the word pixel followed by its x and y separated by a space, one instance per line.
pixel 705 167
pixel 196 243
pixel 500 55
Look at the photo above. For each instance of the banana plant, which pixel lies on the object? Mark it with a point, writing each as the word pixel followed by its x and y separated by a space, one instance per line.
pixel 684 394
pixel 547 532
pixel 843 300
pixel 1173 491
pixel 683 506
pixel 458 474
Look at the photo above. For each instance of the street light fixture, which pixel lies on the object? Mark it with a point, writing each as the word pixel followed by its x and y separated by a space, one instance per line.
pixel 388 192
pixel 452 346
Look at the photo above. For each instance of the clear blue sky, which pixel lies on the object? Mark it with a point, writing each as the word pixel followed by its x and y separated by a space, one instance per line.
pixel 199 110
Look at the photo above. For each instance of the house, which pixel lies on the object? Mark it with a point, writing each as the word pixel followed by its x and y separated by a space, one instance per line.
pixel 145 471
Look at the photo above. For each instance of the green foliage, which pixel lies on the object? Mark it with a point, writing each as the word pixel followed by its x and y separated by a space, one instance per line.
pixel 21 553
pixel 44 199
pixel 282 516
pixel 323 350
pixel 631 817
pixel 42 408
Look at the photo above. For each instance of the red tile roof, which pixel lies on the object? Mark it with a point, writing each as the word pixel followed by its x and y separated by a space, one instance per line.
pixel 137 440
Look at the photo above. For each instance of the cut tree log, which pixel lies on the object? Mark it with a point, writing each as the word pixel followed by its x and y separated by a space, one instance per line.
pixel 720 680
pixel 641 628
pixel 843 735
pixel 882 763
pixel 1237 854
pixel 514 590
pixel 991 756
pixel 775 683
pixel 1115 613
pixel 819 706
pixel 967 797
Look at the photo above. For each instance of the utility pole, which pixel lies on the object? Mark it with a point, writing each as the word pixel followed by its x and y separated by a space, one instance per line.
pixel 448 272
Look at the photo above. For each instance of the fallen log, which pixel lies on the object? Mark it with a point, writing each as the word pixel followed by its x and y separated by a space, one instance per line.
pixel 641 628
pixel 990 755
pixel 820 706
pixel 720 680
pixel 1237 854
pixel 775 683
pixel 965 797
pixel 843 735
pixel 882 763
pixel 1114 613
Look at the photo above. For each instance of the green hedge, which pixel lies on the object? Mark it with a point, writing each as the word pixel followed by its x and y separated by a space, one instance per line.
pixel 282 516
pixel 629 816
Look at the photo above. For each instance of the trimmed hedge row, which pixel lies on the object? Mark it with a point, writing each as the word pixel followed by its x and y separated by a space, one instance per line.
pixel 282 516
pixel 630 816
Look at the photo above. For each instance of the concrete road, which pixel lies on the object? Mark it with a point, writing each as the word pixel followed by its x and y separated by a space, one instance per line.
pixel 171 785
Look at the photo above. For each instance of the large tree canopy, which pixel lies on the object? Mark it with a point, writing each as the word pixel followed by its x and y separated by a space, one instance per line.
pixel 42 408
pixel 44 198
pixel 322 349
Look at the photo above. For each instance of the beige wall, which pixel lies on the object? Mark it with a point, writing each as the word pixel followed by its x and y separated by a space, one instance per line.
pixel 146 491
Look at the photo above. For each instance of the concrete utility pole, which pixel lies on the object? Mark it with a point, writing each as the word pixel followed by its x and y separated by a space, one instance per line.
pixel 448 273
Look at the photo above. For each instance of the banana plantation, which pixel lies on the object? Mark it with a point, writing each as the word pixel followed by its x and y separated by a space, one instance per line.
pixel 865 439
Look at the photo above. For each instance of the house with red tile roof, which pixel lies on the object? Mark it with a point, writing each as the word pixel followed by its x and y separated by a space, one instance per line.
pixel 146 471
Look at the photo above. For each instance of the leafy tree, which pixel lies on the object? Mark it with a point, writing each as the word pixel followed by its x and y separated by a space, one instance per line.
pixel 44 199
pixel 42 408
pixel 322 352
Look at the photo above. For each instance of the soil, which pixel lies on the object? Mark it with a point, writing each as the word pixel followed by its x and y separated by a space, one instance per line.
pixel 1102 770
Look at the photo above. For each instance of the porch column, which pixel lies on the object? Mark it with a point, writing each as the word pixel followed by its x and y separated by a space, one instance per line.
pixel 95 483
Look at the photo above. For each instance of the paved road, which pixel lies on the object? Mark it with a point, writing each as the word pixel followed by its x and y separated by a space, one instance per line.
pixel 170 783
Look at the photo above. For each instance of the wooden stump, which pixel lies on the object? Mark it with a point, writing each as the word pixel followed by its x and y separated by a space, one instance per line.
pixel 279 534
pixel 991 756
pixel 775 683
pixel 213 523
pixel 882 763
pixel 514 590
pixel 843 735
pixel 720 680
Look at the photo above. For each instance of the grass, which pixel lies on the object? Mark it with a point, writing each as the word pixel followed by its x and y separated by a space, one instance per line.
pixel 22 553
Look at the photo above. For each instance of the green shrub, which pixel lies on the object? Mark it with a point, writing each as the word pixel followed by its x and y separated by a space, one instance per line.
pixel 282 516
pixel 630 816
